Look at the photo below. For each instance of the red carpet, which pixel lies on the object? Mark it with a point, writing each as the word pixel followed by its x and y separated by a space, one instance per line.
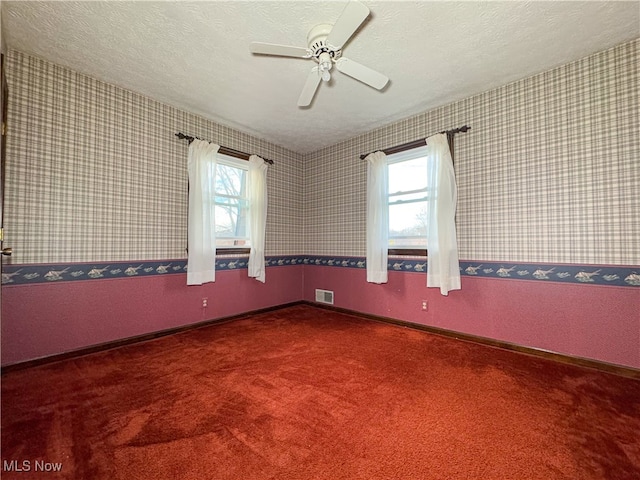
pixel 304 393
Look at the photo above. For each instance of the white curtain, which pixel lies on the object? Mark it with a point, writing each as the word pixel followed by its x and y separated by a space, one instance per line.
pixel 377 217
pixel 257 188
pixel 201 261
pixel 443 269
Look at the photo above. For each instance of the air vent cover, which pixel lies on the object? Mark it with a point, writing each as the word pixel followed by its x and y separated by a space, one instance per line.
pixel 324 296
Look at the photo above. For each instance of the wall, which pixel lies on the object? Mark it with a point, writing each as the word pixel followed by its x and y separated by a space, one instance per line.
pixel 96 213
pixel 98 174
pixel 547 217
pixel 50 318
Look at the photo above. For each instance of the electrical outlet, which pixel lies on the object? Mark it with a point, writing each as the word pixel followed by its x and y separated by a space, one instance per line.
pixel 425 305
pixel 205 302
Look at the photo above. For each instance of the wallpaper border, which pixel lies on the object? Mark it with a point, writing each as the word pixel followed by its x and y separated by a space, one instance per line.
pixel 620 276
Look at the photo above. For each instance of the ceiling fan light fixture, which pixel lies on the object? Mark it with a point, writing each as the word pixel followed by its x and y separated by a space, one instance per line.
pixel 324 62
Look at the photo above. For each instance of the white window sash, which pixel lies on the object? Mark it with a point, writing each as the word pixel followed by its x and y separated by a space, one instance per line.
pixel 392 199
pixel 241 199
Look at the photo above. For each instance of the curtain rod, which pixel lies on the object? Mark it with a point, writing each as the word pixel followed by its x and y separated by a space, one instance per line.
pixel 418 143
pixel 224 150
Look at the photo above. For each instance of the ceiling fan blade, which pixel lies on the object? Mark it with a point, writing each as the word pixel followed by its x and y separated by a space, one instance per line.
pixel 361 73
pixel 280 50
pixel 310 87
pixel 346 25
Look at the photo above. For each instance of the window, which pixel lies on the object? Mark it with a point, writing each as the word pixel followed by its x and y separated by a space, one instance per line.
pixel 231 203
pixel 408 197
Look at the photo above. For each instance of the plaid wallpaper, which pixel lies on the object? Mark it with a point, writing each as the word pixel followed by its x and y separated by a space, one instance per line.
pixel 549 172
pixel 95 172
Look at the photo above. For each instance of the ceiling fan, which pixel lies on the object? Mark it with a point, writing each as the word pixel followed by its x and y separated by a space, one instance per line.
pixel 325 43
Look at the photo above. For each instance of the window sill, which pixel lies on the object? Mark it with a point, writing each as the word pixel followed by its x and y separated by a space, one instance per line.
pixel 413 252
pixel 233 251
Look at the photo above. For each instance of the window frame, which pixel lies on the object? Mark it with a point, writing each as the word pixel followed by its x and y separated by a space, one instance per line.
pixel 399 157
pixel 242 164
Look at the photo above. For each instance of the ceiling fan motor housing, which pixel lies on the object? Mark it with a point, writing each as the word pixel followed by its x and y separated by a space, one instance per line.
pixel 316 41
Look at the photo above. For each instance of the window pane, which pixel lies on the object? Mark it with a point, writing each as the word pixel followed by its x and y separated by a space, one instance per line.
pixel 408 220
pixel 408 175
pixel 231 219
pixel 408 211
pixel 231 206
pixel 230 180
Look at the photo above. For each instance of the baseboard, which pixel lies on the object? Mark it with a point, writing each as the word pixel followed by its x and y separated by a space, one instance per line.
pixel 612 368
pixel 135 339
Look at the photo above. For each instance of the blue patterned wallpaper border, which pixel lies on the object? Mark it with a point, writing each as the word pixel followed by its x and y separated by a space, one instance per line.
pixel 621 276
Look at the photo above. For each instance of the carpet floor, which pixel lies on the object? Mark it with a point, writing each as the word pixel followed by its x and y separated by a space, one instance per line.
pixel 306 393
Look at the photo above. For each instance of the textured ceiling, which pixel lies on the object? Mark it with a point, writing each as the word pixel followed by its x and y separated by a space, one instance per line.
pixel 195 55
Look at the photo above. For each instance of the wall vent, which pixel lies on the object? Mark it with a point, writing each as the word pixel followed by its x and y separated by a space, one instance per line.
pixel 324 296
